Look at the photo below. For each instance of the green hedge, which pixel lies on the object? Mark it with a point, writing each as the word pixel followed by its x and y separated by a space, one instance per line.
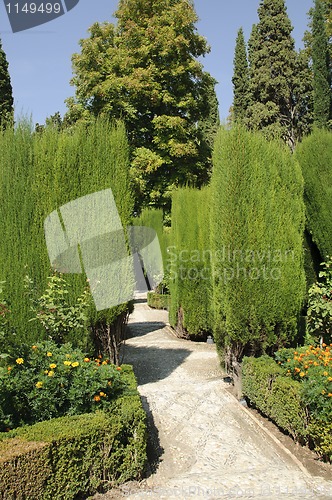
pixel 71 456
pixel 188 263
pixel 258 276
pixel 158 300
pixel 314 155
pixel 279 397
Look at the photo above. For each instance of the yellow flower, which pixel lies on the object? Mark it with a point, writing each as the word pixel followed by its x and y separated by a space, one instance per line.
pixel 39 385
pixel 330 379
pixel 76 363
pixel 52 365
pixel 34 347
pixel 109 383
pixel 67 363
pixel 20 361
pixel 325 374
pixel 46 372
pixel 102 394
pixel 51 373
pixel 302 374
pixel 87 360
pixel 49 354
pixel 68 356
pixel 96 398
pixel 104 363
pixel 323 392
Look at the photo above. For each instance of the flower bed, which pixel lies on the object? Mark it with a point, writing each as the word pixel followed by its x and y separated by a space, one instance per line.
pixel 74 456
pixel 295 391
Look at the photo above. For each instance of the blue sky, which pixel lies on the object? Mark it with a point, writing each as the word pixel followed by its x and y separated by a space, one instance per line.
pixel 40 58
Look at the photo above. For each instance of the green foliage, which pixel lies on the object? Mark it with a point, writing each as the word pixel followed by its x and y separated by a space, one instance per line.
pixel 276 396
pixel 41 172
pixel 158 300
pixel 315 157
pixel 312 366
pixel 189 262
pixel 320 67
pixel 240 78
pixel 76 456
pixel 278 80
pixel 319 313
pixel 61 320
pixel 258 277
pixel 320 435
pixel 6 92
pixel 145 70
pixel 48 381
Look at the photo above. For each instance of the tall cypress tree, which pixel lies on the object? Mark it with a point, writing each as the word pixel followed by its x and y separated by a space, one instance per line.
pixel 276 96
pixel 240 78
pixel 6 91
pixel 321 67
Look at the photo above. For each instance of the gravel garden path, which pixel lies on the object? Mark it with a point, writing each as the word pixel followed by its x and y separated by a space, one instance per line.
pixel 203 442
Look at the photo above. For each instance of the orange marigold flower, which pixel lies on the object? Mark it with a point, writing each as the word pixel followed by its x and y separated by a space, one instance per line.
pixel 323 344
pixel 34 347
pixel 104 363
pixel 297 370
pixel 9 368
pixel 96 398
pixel 86 360
pixel 288 360
pixel 118 368
pixel 330 394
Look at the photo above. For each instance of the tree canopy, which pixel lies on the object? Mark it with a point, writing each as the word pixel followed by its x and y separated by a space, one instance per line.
pixel 145 70
pixel 6 91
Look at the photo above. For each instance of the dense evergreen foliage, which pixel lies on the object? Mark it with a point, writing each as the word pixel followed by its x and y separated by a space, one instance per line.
pixel 240 78
pixel 279 78
pixel 188 262
pixel 145 70
pixel 40 173
pixel 6 92
pixel 257 229
pixel 315 157
pixel 321 67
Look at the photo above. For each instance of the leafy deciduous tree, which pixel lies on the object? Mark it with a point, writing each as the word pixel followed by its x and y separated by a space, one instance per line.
pixel 6 91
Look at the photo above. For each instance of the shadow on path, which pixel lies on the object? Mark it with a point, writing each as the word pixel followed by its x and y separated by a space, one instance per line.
pixel 139 329
pixel 152 363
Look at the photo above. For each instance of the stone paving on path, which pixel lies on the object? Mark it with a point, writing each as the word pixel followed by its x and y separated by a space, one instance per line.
pixel 210 446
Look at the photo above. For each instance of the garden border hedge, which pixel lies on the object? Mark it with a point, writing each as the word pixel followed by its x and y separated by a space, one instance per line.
pixel 72 456
pixel 278 398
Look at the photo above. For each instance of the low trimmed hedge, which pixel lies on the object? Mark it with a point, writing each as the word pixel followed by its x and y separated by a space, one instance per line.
pixel 158 300
pixel 68 457
pixel 279 397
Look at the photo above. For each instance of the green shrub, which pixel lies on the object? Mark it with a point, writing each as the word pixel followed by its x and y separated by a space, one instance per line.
pixel 40 172
pixel 275 395
pixel 188 262
pixel 321 437
pixel 69 457
pixel 319 312
pixel 314 154
pixel 50 381
pixel 158 300
pixel 258 276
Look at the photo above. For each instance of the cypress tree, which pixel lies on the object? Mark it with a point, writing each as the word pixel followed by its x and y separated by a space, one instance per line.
pixel 275 88
pixel 258 277
pixel 189 262
pixel 240 78
pixel 315 157
pixel 6 91
pixel 321 67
